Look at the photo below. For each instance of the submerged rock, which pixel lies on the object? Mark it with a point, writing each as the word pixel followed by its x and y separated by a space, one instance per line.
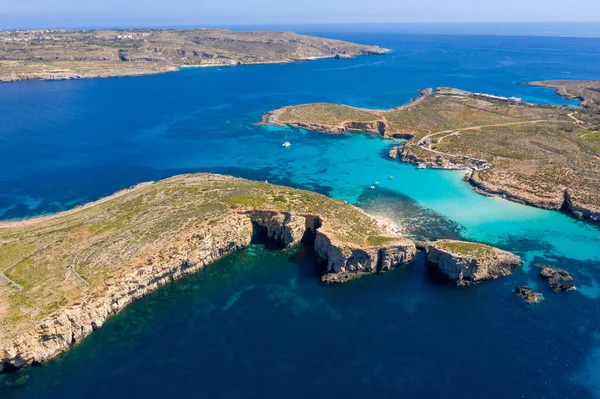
pixel 560 280
pixel 528 295
pixel 467 262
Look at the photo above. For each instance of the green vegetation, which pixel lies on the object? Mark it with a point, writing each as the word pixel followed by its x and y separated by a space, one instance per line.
pixel 530 153
pixel 63 54
pixel 378 241
pixel 54 261
pixel 469 249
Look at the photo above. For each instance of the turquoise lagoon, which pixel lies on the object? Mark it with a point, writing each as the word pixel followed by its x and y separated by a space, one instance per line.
pixel 258 322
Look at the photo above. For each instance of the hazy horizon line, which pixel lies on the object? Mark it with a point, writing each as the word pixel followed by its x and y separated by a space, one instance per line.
pixel 588 29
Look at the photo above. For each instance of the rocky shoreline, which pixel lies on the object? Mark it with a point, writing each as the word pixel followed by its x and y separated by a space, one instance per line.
pixel 488 174
pixel 466 263
pixel 561 203
pixel 197 247
pixel 118 71
pixel 376 127
pixel 68 327
pixel 345 258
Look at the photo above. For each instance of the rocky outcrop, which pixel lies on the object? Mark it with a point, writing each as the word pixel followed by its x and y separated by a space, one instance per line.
pixel 69 326
pixel 466 262
pixel 346 262
pixel 579 211
pixel 450 91
pixel 283 229
pixel 528 295
pixel 520 196
pixel 559 280
pixel 377 126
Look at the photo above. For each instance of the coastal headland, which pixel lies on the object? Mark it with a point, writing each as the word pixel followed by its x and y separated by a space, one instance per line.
pixel 74 54
pixel 63 275
pixel 544 156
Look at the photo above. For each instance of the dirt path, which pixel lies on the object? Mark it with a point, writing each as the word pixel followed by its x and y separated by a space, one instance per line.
pixel 572 116
pixel 457 132
pixel 11 282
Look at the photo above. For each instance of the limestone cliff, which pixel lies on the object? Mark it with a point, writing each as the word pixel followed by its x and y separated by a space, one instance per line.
pixel 183 224
pixel 346 262
pixel 466 262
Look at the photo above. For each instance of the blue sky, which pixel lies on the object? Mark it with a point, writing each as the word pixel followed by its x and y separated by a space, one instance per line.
pixel 84 13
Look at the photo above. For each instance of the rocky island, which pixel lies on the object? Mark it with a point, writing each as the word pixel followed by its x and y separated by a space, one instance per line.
pixel 467 262
pixel 63 275
pixel 71 54
pixel 543 156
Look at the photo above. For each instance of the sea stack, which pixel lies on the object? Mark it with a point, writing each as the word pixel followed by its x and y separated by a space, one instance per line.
pixel 467 262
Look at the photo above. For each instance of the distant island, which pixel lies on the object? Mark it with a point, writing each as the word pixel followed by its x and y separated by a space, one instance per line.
pixel 73 54
pixel 544 156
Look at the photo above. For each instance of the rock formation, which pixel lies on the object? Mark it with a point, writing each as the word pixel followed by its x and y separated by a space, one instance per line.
pixel 346 262
pixel 466 262
pixel 559 280
pixel 234 214
pixel 527 294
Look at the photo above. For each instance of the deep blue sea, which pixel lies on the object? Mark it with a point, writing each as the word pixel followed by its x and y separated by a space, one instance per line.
pixel 258 323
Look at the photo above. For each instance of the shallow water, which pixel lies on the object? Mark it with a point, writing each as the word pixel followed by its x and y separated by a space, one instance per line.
pixel 260 323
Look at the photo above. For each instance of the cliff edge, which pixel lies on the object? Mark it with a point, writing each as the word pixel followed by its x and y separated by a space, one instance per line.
pixel 64 275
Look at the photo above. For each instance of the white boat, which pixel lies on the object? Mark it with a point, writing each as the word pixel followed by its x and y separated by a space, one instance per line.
pixel 372 187
pixel 287 143
pixel 421 166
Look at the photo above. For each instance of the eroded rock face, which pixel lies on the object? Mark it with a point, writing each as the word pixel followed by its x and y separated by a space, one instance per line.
pixel 466 263
pixel 282 228
pixel 527 294
pixel 581 212
pixel 69 326
pixel 559 280
pixel 345 263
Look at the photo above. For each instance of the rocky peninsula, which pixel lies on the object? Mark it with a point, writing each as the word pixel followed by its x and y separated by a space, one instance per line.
pixel 64 275
pixel 586 91
pixel 544 156
pixel 73 54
